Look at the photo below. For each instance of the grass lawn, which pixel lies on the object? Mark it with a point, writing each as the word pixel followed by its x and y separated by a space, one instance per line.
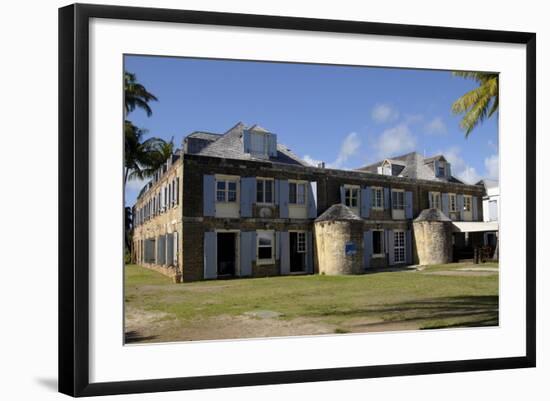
pixel 452 295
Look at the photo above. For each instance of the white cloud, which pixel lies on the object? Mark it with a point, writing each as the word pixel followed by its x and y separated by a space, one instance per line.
pixel 383 113
pixel 310 160
pixel 349 147
pixel 436 126
pixel 469 175
pixel 492 167
pixel 413 118
pixel 464 172
pixel 394 141
pixel 453 156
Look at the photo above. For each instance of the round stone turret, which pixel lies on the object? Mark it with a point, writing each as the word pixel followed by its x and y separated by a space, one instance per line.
pixel 433 237
pixel 339 241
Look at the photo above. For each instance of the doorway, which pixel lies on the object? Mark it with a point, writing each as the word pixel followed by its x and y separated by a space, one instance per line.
pixel 226 254
pixel 297 251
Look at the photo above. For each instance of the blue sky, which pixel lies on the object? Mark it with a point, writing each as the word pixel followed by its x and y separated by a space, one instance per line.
pixel 345 116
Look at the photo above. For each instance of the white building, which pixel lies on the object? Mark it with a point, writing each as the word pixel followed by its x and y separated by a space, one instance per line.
pixel 491 207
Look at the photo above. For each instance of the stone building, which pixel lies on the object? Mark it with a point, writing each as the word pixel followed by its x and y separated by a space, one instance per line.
pixel 240 204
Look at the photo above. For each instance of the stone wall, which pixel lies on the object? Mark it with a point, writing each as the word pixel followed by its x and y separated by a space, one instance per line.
pixel 433 242
pixel 164 223
pixel 331 238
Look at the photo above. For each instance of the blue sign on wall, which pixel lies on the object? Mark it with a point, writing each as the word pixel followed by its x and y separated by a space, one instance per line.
pixel 351 248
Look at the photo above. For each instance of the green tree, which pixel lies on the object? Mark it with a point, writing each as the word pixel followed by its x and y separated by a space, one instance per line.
pixel 135 95
pixel 479 103
pixel 142 157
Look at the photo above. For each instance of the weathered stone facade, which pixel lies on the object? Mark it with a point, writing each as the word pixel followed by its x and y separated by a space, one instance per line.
pixel 295 244
pixel 433 238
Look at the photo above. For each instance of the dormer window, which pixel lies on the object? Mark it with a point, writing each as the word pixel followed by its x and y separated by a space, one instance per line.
pixel 260 143
pixel 441 171
pixel 385 169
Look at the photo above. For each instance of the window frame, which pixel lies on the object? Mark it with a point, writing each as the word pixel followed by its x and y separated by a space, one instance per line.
pixel 374 191
pixel 451 198
pixel 382 243
pixel 227 180
pixel 397 249
pixel 402 191
pixel 265 139
pixel 297 183
pixel 351 188
pixel 262 261
pixel 432 197
pixel 264 180
pixel 301 240
pixel 469 198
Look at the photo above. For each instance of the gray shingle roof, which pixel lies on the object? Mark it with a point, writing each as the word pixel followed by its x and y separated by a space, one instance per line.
pixel 416 166
pixel 338 211
pixel 432 215
pixel 209 136
pixel 230 146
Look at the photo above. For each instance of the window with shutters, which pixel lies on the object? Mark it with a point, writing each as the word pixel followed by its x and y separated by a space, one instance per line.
pixel 258 143
pixel 399 246
pixel 351 196
pixel 435 200
pixel 264 190
pixel 226 191
pixel 297 193
pixel 398 199
pixel 265 245
pixel 378 243
pixel 377 198
pixel 467 203
pixel 452 202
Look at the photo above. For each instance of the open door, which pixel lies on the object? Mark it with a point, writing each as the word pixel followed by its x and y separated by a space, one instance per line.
pixel 227 254
pixel 297 251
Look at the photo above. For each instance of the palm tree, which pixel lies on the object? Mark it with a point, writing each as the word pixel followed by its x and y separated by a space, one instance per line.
pixel 141 157
pixel 135 94
pixel 128 226
pixel 479 103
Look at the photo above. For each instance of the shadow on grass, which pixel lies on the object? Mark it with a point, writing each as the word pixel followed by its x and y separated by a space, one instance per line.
pixel 134 336
pixel 433 313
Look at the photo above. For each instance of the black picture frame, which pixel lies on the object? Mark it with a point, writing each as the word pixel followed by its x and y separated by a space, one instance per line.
pixel 74 198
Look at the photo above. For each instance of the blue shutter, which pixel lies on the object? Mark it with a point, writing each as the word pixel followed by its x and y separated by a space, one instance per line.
pixel 367 248
pixel 408 247
pixel 408 205
pixel 366 194
pixel 387 204
pixel 285 252
pixel 309 252
pixel 312 200
pixel 436 168
pixel 445 204
pixel 391 257
pixel 474 208
pixel 342 195
pixel 208 195
pixel 448 170
pixel 248 252
pixel 277 245
pixel 272 145
pixel 276 192
pixel 210 252
pixel 246 141
pixel 283 199
pixel 248 190
pixel 460 205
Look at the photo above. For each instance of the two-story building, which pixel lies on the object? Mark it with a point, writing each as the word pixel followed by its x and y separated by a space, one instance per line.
pixel 240 204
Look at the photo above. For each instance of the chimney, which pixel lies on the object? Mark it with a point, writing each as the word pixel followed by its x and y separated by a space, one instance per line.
pixel 321 165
